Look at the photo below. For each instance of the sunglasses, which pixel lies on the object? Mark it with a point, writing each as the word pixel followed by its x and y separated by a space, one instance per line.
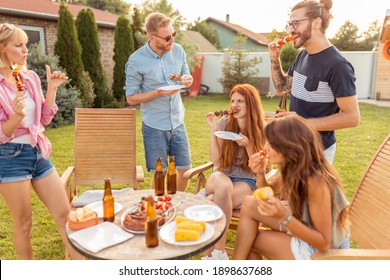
pixel 295 23
pixel 166 38
pixel 7 26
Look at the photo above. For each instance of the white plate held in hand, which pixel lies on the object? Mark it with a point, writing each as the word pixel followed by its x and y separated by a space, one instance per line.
pixel 98 207
pixel 172 87
pixel 228 135
pixel 204 212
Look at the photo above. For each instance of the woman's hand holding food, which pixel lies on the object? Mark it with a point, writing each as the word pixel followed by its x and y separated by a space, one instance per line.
pixel 257 162
pixel 212 121
pixel 19 103
pixel 273 207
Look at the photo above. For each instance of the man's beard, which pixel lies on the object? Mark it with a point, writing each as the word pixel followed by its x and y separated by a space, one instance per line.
pixel 303 37
pixel 164 48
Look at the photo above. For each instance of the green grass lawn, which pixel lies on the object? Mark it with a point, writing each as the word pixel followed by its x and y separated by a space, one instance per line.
pixel 355 148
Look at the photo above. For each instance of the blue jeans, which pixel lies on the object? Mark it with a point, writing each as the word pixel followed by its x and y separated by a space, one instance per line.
pixel 250 182
pixel 160 143
pixel 19 162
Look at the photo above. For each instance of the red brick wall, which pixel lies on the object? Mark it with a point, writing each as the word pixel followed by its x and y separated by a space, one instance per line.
pixel 106 38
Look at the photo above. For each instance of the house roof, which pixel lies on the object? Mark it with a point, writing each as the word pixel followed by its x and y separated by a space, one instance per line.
pixel 195 38
pixel 255 37
pixel 47 9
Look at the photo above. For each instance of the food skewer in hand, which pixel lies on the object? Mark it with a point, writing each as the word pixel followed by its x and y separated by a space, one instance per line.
pixel 284 39
pixel 18 79
pixel 174 77
pixel 224 113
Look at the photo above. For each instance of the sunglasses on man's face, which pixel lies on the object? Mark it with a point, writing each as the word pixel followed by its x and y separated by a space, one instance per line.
pixel 166 38
pixel 7 26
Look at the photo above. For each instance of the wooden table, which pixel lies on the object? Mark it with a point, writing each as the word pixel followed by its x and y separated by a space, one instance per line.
pixel 135 248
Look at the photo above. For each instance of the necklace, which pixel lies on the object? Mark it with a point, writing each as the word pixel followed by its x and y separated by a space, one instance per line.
pixel 18 79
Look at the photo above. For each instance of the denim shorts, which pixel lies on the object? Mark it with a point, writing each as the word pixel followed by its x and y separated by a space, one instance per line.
pixel 160 143
pixel 303 250
pixel 330 152
pixel 250 182
pixel 19 162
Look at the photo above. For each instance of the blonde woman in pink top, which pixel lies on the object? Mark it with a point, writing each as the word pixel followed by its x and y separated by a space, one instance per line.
pixel 24 150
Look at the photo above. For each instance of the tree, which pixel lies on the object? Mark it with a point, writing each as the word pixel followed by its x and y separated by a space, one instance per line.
pixel 346 39
pixel 238 69
pixel 207 31
pixel 369 37
pixel 123 48
pixel 119 7
pixel 138 34
pixel 162 6
pixel 68 48
pixel 89 40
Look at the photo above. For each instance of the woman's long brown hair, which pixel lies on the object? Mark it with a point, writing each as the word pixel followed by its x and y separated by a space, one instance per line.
pixel 304 158
pixel 254 128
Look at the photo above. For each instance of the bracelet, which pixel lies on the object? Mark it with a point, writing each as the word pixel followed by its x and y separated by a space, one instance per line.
pixel 285 221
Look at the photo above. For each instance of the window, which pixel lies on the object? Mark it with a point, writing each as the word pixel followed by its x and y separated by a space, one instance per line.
pixel 35 35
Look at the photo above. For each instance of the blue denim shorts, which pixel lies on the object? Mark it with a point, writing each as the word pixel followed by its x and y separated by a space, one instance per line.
pixel 160 143
pixel 19 162
pixel 250 182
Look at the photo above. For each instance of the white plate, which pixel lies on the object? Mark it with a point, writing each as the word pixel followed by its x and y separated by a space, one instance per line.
pixel 101 236
pixel 171 215
pixel 172 87
pixel 204 212
pixel 167 234
pixel 98 207
pixel 228 135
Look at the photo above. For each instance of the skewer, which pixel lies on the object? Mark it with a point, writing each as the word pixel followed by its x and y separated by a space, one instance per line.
pixel 284 39
pixel 18 79
pixel 224 113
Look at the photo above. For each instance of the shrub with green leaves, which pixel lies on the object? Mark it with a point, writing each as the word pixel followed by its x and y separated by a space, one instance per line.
pixel 67 97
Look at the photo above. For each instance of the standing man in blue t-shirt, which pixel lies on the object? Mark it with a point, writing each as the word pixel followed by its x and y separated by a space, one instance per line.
pixel 160 62
pixel 321 80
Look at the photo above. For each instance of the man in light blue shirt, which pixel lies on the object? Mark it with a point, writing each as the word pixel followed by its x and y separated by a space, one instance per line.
pixel 148 70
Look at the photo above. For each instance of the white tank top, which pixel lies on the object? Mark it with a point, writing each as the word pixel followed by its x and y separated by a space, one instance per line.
pixel 28 120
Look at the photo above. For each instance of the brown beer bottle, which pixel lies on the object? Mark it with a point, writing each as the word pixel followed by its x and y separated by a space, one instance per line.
pixel 171 176
pixel 282 107
pixel 159 178
pixel 108 202
pixel 151 224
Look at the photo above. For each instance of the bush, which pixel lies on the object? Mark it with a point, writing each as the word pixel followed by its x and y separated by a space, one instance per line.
pixel 67 97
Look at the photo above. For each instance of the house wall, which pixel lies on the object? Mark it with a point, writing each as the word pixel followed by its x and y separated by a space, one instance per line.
pixel 227 36
pixel 106 39
pixel 363 63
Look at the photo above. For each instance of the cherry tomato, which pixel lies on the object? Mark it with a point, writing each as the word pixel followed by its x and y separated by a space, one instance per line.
pixel 159 205
pixel 165 206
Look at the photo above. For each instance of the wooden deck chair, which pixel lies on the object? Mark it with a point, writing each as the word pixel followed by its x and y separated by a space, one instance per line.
pixel 369 212
pixel 104 146
pixel 201 183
